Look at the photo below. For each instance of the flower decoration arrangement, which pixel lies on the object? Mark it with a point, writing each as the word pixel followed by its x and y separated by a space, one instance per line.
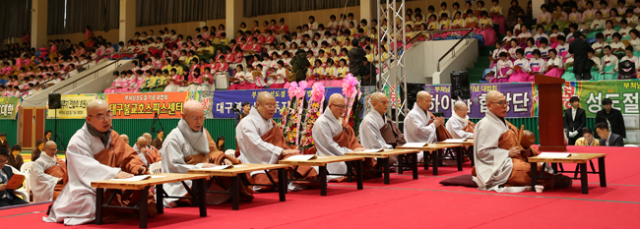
pixel 314 110
pixel 352 93
pixel 292 114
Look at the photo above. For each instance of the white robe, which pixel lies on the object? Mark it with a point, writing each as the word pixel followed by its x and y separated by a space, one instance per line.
pixel 324 130
pixel 76 204
pixel 42 184
pixel 369 130
pixel 493 164
pixel 416 128
pixel 180 143
pixel 455 125
pixel 253 150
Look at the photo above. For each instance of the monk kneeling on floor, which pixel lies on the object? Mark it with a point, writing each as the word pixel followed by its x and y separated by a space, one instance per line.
pixel 500 164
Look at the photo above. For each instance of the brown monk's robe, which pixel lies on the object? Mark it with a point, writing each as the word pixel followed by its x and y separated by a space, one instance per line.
pixel 218 183
pixel 521 173
pixel 120 155
pixel 58 170
pixel 276 138
pixel 441 132
pixel 152 155
pixel 347 138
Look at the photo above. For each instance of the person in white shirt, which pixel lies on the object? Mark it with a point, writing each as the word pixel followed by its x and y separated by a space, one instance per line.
pixel 521 68
pixel 630 57
pixel 459 125
pixel 624 30
pixel 537 64
pixel 617 47
pixel 609 31
pixel 539 35
pixel 598 46
pixel 575 16
pixel 554 65
pixel 598 23
pixel 563 47
pixel 502 69
pixel 514 48
pixel 610 63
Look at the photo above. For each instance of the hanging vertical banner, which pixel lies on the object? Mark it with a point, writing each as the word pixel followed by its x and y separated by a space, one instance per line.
pixel 146 105
pixel 206 98
pixel 9 107
pixel 73 106
pixel 522 98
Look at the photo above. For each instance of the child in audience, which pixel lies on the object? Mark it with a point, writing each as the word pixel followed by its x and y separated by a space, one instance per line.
pixel 554 65
pixel 503 70
pixel 528 51
pixel 598 46
pixel 609 31
pixel 630 57
pixel 597 66
pixel 624 30
pixel 610 62
pixel 537 64
pixel 568 74
pixel 617 47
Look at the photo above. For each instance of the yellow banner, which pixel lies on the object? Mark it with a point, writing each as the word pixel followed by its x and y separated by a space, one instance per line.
pixel 73 106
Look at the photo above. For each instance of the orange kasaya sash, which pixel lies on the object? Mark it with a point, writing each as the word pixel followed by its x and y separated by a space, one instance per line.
pixel 58 170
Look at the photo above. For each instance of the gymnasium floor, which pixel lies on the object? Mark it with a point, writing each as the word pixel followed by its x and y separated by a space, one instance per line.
pixel 407 203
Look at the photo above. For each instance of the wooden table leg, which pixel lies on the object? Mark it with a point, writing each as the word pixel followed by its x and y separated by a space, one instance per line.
pixel 143 207
pixel 349 171
pixel 202 196
pixel 385 166
pixel 400 164
pixel 425 162
pixel 554 166
pixel 459 156
pixel 603 176
pixel 235 192
pixel 323 180
pixel 282 183
pixel 584 179
pixel 99 197
pixel 160 199
pixel 534 175
pixel 359 174
pixel 414 166
pixel 435 156
pixel 470 155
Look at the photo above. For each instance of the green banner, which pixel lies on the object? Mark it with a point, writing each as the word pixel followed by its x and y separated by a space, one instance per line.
pixel 623 94
pixel 9 107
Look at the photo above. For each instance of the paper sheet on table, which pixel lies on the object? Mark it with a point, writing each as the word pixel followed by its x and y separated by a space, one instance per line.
pixel 414 144
pixel 219 167
pixel 554 155
pixel 135 178
pixel 371 151
pixel 301 157
pixel 454 140
pixel 157 176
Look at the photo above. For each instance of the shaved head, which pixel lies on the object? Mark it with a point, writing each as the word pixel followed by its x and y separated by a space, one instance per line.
pixel 125 138
pixel 141 141
pixel 193 114
pixel 96 103
pixel 423 100
pixel 99 115
pixel 148 137
pixel 264 97
pixel 379 102
pixel 337 105
pixel 266 105
pixel 50 144
pixel 50 148
pixel 459 105
pixel 497 103
pixel 377 96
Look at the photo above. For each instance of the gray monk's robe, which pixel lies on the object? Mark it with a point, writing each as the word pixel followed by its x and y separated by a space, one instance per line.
pixel 493 165
pixel 418 129
pixel 456 127
pixel 254 150
pixel 182 142
pixel 324 130
pixel 369 130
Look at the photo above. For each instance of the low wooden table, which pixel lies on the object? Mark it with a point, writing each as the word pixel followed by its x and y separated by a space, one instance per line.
pixel 322 162
pixel 143 188
pixel 239 171
pixel 383 158
pixel 435 151
pixel 579 158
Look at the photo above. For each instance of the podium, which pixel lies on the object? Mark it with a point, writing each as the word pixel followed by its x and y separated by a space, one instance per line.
pixel 550 113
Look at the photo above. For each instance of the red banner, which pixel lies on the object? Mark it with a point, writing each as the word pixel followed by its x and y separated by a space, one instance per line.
pixel 145 105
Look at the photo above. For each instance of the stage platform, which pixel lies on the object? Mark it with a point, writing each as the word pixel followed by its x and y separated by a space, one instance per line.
pixel 408 203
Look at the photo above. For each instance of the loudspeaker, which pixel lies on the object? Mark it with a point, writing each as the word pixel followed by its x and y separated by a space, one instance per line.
pixel 412 91
pixel 54 101
pixel 460 85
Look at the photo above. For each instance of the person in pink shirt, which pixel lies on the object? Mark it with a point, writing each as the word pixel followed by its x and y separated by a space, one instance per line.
pixel 206 81
pixel 237 55
pixel 220 67
pixel 114 84
pixel 269 39
pixel 174 82
pixel 6 69
pixel 238 80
